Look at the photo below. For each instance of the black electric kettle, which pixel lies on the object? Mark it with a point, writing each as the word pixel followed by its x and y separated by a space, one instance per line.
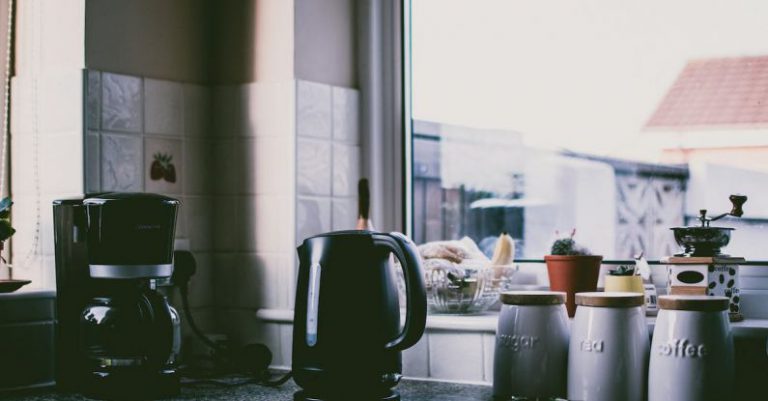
pixel 347 336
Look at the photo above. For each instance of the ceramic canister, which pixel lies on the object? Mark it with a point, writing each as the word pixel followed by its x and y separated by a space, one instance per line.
pixel 692 352
pixel 608 353
pixel 531 353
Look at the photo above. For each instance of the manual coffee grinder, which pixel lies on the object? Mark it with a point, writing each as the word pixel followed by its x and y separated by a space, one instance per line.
pixel 702 268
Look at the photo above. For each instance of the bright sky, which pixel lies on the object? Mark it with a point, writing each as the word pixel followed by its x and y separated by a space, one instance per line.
pixel 582 75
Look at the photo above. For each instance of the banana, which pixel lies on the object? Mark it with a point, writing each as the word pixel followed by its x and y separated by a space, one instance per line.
pixel 504 252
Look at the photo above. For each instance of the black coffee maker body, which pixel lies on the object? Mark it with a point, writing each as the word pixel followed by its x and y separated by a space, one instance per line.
pixel 347 337
pixel 117 337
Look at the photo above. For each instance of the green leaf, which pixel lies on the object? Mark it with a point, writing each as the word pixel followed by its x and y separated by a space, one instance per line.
pixel 5 204
pixel 5 229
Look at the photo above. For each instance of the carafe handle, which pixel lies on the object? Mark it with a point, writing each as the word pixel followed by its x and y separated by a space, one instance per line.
pixel 416 305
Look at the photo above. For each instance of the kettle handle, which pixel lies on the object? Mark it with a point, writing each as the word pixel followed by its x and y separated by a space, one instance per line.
pixel 416 311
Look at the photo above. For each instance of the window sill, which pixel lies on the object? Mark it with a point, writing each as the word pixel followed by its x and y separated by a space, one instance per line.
pixel 486 323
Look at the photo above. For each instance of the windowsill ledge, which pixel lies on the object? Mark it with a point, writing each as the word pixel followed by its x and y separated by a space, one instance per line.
pixel 486 323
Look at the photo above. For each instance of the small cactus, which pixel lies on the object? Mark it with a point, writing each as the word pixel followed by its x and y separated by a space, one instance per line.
pixel 567 246
pixel 623 270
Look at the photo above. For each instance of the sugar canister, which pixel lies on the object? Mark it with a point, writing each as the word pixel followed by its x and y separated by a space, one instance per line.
pixel 531 353
pixel 692 351
pixel 608 353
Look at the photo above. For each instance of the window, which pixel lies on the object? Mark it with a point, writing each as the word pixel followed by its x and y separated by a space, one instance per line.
pixel 620 119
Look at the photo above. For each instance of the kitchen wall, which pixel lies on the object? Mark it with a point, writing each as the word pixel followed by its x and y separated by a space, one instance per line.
pixel 161 39
pixel 261 157
pixel 326 41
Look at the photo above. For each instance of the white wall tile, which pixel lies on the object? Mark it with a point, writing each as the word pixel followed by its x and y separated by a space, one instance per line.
pixel 121 103
pixel 287 284
pixel 246 214
pixel 92 162
pixel 416 359
pixel 201 284
pixel 61 162
pixel 272 112
pixel 198 163
pixel 243 328
pixel 489 347
pixel 273 165
pixel 60 102
pixel 62 31
pixel 197 110
pixel 22 106
pixel 344 214
pixel 22 173
pixel 223 282
pixel 346 109
pixel 25 248
pixel 313 167
pixel 199 213
pixel 283 357
pixel 163 165
pixel 346 169
pixel 180 236
pixel 227 167
pixel 163 107
pixel 229 110
pixel 121 162
pixel 313 109
pixel 93 99
pixel 225 225
pixel 456 356
pixel 313 216
pixel 258 284
pixel 274 222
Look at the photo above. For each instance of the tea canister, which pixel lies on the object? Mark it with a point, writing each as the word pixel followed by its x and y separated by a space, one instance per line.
pixel 531 353
pixel 608 353
pixel 692 356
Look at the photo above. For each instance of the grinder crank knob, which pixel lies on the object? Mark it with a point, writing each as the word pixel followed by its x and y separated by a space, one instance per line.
pixel 737 201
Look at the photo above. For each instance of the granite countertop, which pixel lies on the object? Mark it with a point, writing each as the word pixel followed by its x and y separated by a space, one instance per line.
pixel 410 390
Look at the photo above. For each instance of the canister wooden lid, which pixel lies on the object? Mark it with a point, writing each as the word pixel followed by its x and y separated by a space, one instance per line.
pixel 610 299
pixel 532 298
pixel 699 303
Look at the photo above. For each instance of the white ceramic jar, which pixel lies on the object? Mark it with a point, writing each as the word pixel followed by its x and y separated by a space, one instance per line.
pixel 608 353
pixel 692 352
pixel 531 353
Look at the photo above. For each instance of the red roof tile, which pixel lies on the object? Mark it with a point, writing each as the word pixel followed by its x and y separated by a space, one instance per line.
pixel 715 93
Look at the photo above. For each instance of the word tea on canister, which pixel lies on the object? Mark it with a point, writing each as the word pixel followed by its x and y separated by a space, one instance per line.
pixel 608 353
pixel 692 350
pixel 531 353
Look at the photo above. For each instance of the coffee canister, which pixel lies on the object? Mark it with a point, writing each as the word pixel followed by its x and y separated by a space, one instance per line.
pixel 608 353
pixel 692 352
pixel 531 353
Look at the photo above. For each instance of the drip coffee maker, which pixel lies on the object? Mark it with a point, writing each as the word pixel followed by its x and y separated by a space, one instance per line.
pixel 117 337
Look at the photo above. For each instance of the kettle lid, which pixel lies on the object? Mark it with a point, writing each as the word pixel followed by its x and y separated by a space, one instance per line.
pixel 344 233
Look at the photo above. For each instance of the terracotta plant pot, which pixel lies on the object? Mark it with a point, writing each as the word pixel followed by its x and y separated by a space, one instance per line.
pixel 572 274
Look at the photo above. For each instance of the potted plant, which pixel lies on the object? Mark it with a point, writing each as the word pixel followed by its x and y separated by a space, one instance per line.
pixel 624 279
pixel 571 269
pixel 6 230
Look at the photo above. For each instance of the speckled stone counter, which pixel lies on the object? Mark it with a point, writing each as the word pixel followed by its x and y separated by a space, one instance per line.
pixel 410 390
